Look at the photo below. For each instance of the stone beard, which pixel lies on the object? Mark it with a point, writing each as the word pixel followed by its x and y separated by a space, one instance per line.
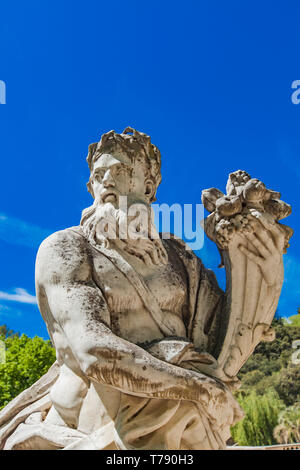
pixel 129 229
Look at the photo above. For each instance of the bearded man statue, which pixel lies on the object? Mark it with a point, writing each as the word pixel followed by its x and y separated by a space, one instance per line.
pixel 148 346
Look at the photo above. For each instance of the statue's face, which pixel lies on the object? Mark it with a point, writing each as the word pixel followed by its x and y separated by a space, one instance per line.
pixel 114 176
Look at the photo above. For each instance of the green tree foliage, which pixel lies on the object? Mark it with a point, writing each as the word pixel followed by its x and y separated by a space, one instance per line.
pixel 261 416
pixel 287 384
pixel 27 359
pixel 270 365
pixel 4 331
pixel 270 383
pixel 294 320
pixel 272 357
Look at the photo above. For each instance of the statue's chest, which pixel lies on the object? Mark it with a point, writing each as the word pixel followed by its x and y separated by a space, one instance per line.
pixel 165 283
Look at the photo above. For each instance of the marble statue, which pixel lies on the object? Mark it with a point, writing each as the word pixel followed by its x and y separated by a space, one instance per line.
pixel 148 345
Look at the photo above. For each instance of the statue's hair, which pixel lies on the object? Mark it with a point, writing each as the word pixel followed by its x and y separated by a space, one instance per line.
pixel 135 145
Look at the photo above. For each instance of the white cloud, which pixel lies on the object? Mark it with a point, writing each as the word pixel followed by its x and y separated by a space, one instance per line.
pixel 18 232
pixel 20 295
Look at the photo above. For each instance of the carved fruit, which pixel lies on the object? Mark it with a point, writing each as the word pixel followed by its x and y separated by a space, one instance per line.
pixel 254 191
pixel 209 198
pixel 236 181
pixel 277 208
pixel 270 194
pixel 228 206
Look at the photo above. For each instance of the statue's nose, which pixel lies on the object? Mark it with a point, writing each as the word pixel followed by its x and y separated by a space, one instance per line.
pixel 108 179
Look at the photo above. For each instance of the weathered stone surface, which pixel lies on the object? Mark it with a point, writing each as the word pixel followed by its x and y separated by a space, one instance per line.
pixel 148 346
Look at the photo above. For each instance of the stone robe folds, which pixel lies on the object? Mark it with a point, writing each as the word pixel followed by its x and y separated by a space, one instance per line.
pixel 137 422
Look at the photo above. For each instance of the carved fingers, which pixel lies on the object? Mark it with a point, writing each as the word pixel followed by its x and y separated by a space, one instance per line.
pixel 263 243
pixel 266 228
pixel 255 258
pixel 263 250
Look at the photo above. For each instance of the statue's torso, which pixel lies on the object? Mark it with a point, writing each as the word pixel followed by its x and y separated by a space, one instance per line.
pixel 129 317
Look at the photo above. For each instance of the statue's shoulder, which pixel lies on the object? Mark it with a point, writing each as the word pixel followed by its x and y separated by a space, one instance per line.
pixel 63 252
pixel 70 237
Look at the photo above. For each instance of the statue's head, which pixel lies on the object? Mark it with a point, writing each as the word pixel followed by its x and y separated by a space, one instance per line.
pixel 126 164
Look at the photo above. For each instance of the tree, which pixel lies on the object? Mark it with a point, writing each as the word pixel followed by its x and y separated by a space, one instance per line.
pixel 261 416
pixel 269 358
pixel 27 359
pixel 287 384
pixel 270 382
pixel 4 331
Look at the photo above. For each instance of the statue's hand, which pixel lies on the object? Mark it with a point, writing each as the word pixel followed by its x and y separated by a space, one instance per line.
pixel 265 248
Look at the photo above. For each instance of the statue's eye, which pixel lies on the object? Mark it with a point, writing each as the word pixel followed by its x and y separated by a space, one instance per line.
pixel 99 176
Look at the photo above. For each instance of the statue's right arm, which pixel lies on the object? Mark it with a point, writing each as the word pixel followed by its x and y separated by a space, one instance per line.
pixel 65 288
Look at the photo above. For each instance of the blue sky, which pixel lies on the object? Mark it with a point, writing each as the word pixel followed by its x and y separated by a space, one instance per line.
pixel 209 81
